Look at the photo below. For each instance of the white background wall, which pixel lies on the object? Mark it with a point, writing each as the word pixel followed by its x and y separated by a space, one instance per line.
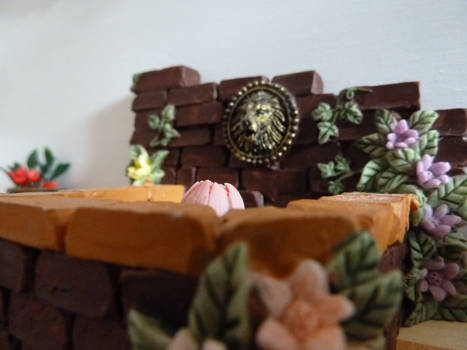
pixel 66 65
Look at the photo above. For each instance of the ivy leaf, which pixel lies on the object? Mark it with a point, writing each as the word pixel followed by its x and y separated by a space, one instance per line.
pixel 352 113
pixel 425 309
pixel 168 113
pixel 322 113
pixel 327 169
pixel 220 306
pixel 33 159
pixel 389 180
pixel 385 121
pixel 59 170
pixel 154 122
pixel 421 246
pixel 370 173
pixel 326 130
pixel 428 143
pixel 136 151
pixel 342 164
pixel 157 141
pixel 336 187
pixel 156 176
pixel 422 120
pixel 49 160
pixel 375 303
pixel 412 278
pixel 146 333
pixel 403 160
pixel 453 193
pixel 454 308
pixel 356 261
pixel 158 157
pixel 452 246
pixel 373 145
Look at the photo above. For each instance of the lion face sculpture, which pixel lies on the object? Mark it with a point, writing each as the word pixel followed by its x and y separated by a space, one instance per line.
pixel 258 124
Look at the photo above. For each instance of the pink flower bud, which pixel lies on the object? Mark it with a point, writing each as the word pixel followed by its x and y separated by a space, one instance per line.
pixel 221 198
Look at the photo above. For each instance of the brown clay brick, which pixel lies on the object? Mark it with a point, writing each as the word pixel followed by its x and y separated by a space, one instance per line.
pixel 227 88
pixel 307 156
pixel 99 334
pixel 283 199
pixel 357 158
pixel 401 96
pixel 252 199
pixel 308 103
pixel 149 100
pixel 16 266
pixel 76 285
pixel 307 132
pixel 301 83
pixel 3 308
pixel 452 122
pixel 206 113
pixel 192 137
pixel 5 340
pixel 142 137
pixel 164 295
pixel 219 175
pixel 173 157
pixel 166 78
pixel 454 150
pixel 318 186
pixel 219 135
pixel 234 162
pixel 186 176
pixel 192 94
pixel 38 324
pixel 349 131
pixel 204 156
pixel 170 176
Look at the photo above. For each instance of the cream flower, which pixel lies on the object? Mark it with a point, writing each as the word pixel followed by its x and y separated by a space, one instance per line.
pixel 142 167
pixel 302 313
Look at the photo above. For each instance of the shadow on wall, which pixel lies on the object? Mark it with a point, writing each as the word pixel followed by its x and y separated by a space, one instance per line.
pixel 25 7
pixel 108 146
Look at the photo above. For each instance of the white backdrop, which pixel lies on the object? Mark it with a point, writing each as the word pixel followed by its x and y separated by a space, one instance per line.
pixel 66 65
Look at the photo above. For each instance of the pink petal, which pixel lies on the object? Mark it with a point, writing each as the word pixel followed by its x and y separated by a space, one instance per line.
pixel 424 272
pixel 450 271
pixel 401 127
pixel 433 183
pixel 427 160
pixel 428 211
pixel 334 308
pixel 438 293
pixel 451 220
pixel 428 225
pixel 309 281
pixel 423 286
pixel 218 199
pixel 435 264
pixel 412 133
pixel 441 211
pixel 272 335
pixel 424 176
pixel 211 344
pixel 199 193
pixel 449 287
pixel 440 168
pixel 183 340
pixel 275 294
pixel 401 145
pixel 326 338
pixel 392 137
pixel 235 199
pixel 444 178
pixel 389 145
pixel 410 140
pixel 441 231
pixel 420 167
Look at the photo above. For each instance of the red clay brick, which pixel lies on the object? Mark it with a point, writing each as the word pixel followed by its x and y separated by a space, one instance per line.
pixel 166 78
pixel 452 122
pixel 228 87
pixel 206 113
pixel 149 100
pixel 192 94
pixel 192 137
pixel 99 334
pixel 404 96
pixel 219 175
pixel 16 266
pixel 301 83
pixel 204 156
pixel 186 176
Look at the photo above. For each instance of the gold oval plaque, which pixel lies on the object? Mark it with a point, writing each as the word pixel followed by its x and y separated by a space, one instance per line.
pixel 261 122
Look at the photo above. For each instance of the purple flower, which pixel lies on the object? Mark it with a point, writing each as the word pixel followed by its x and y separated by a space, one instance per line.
pixel 402 136
pixel 431 175
pixel 436 278
pixel 438 224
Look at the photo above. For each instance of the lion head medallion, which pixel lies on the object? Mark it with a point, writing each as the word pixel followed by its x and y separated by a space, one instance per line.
pixel 260 122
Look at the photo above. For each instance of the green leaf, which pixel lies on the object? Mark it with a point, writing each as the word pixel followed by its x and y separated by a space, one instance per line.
pixel 375 302
pixel 136 151
pixel 59 170
pixel 355 261
pixel 389 180
pixel 157 141
pixel 136 77
pixel 326 131
pixel 453 193
pixel 220 306
pixel 452 246
pixel 417 215
pixel 146 333
pixel 156 176
pixel 327 169
pixel 372 144
pixel 49 160
pixel 350 112
pixel 422 120
pixel 428 143
pixel 385 121
pixel 336 187
pixel 454 308
pixel 370 173
pixel 425 308
pixel 342 164
pixel 421 246
pixel 154 122
pixel 168 113
pixel 412 278
pixel 403 160
pixel 322 113
pixel 460 281
pixel 33 159
pixel 158 157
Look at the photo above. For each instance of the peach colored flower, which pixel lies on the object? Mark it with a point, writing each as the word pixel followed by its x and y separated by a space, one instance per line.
pixel 183 340
pixel 221 198
pixel 302 313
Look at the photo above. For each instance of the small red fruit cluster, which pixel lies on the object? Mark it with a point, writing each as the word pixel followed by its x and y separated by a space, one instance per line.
pixel 30 178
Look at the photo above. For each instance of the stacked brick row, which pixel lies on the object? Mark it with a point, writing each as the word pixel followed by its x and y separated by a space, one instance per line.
pixel 50 301
pixel 200 153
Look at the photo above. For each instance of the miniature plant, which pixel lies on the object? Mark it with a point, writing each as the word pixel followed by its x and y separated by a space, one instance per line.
pixel 163 125
pixel 339 169
pixel 327 117
pixel 144 168
pixel 37 172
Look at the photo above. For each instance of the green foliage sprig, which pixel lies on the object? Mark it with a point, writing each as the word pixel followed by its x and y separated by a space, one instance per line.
pixel 163 125
pixel 339 170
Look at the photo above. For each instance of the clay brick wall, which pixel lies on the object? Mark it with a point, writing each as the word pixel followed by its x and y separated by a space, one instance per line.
pixel 200 152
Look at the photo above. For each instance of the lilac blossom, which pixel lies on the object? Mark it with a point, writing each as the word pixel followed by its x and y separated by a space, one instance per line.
pixel 436 278
pixel 431 175
pixel 402 136
pixel 438 223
